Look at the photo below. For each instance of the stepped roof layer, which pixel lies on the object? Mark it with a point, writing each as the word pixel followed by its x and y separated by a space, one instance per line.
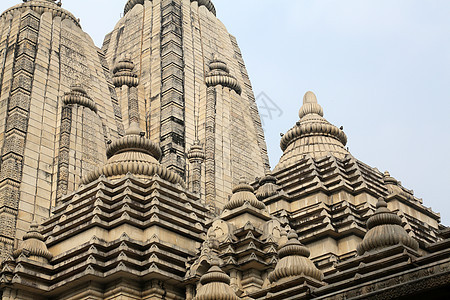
pixel 333 176
pixel 110 228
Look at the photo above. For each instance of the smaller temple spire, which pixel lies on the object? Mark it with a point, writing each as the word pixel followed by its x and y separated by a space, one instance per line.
pixel 312 135
pixel 219 74
pixel 215 285
pixel 79 96
pixel 124 74
pixel 134 154
pixel 242 193
pixel 267 187
pixel 385 229
pixel 294 261
pixel 33 245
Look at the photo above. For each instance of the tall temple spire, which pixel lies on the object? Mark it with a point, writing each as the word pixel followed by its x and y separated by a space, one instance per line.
pixel 207 3
pixel 313 135
pixel 42 6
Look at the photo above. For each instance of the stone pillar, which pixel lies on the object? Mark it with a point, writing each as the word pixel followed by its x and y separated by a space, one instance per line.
pixel 210 145
pixel 127 81
pixel 196 156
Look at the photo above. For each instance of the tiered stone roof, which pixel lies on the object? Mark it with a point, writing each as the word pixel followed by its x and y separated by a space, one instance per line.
pixel 331 176
pixel 114 227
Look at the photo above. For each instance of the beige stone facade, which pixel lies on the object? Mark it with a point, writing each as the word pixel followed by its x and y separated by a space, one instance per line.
pixel 139 171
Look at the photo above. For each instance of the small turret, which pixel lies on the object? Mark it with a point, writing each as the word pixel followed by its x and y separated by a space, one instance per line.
pixel 243 193
pixel 124 74
pixel 268 187
pixel 33 245
pixel 215 285
pixel 219 74
pixel 196 156
pixel 385 229
pixel 294 261
pixel 133 154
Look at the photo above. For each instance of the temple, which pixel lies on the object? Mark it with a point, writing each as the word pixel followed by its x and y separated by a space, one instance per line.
pixel 140 171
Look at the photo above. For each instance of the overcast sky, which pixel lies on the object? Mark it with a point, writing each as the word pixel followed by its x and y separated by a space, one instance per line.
pixel 380 68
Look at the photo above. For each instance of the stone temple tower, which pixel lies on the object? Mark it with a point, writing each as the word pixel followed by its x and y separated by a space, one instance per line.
pixel 58 110
pixel 193 90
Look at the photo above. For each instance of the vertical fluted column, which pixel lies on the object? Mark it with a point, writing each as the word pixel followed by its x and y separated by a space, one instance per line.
pixel 196 156
pixel 125 79
pixel 210 145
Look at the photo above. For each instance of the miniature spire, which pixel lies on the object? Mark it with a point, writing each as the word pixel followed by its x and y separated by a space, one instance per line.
pixel 385 229
pixel 79 96
pixel 219 74
pixel 134 154
pixel 294 261
pixel 313 135
pixel 124 74
pixel 268 187
pixel 33 245
pixel 215 285
pixel 242 193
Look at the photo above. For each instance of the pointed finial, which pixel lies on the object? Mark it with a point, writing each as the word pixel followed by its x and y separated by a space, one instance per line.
pixel 309 97
pixel 310 106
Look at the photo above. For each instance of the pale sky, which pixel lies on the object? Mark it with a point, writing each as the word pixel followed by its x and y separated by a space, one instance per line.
pixel 380 68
